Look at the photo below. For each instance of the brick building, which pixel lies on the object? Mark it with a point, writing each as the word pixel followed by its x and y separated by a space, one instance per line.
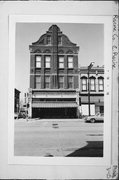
pixel 96 79
pixel 54 83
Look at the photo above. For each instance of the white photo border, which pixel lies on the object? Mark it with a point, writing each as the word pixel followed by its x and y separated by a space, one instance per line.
pixel 107 21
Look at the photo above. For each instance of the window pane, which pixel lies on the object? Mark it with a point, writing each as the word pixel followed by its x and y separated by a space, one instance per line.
pixel 101 87
pixel 47 79
pixel 47 61
pixel 70 82
pixel 61 81
pixel 84 84
pixel 70 62
pixel 83 81
pixel 38 82
pixel 92 84
pixel 101 84
pixel 84 87
pixel 61 62
pixel 47 82
pixel 38 61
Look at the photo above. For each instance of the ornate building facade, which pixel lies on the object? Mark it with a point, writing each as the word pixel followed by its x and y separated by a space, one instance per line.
pixel 54 76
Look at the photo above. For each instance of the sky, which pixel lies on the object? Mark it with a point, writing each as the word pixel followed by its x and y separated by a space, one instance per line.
pixel 89 38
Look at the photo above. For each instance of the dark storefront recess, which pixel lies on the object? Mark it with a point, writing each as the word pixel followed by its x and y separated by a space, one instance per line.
pixel 52 113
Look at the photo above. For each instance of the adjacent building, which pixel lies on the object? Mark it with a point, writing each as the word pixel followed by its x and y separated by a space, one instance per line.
pixel 16 100
pixel 54 76
pixel 96 90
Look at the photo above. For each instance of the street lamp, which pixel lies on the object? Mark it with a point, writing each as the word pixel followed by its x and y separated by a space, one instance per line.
pixel 89 68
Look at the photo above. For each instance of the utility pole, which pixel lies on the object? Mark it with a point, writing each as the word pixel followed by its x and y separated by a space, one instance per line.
pixel 89 68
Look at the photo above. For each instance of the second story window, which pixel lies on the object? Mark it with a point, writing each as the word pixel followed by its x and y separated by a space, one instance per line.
pixel 84 83
pixel 38 61
pixel 48 39
pixel 70 82
pixel 61 62
pixel 38 82
pixel 61 82
pixel 47 61
pixel 101 84
pixel 92 84
pixel 70 62
pixel 47 82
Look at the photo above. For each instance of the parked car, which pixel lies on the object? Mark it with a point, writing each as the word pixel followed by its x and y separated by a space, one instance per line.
pixel 96 118
pixel 15 115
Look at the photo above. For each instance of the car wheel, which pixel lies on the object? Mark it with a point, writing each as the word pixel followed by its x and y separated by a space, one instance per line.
pixel 92 120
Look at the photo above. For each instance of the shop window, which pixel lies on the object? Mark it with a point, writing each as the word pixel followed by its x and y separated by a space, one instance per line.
pixel 61 62
pixel 47 61
pixel 38 82
pixel 70 62
pixel 38 61
pixel 70 82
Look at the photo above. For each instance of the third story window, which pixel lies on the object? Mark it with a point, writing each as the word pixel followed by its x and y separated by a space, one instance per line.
pixel 47 61
pixel 38 61
pixel 70 62
pixel 61 62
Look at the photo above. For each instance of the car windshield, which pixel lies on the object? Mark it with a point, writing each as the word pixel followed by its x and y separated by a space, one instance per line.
pixel 98 114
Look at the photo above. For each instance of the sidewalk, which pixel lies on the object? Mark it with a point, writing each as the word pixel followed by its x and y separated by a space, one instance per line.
pixel 38 119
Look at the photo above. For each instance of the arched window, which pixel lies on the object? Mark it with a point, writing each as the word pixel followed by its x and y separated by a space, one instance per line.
pixel 100 84
pixel 84 83
pixel 92 84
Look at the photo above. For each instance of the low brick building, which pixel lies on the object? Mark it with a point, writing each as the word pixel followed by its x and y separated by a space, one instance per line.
pixel 54 76
pixel 96 83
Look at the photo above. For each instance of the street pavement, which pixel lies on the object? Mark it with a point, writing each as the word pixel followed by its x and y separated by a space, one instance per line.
pixel 58 137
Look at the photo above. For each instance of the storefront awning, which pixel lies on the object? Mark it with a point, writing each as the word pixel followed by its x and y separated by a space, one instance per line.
pixel 54 105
